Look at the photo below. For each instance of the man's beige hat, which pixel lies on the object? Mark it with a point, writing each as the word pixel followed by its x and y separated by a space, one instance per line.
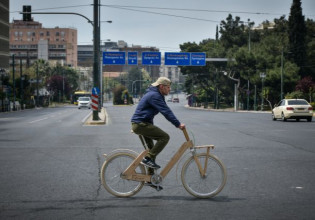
pixel 162 81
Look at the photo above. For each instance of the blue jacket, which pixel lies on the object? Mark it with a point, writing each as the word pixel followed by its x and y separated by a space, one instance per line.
pixel 152 103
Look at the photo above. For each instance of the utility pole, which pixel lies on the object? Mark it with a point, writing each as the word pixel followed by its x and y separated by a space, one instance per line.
pixel 37 86
pixel 13 66
pixel 255 106
pixel 21 84
pixel 63 85
pixel 248 73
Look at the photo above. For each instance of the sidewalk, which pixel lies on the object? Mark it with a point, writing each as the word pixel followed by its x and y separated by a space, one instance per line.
pixel 229 110
pixel 226 110
pixel 102 118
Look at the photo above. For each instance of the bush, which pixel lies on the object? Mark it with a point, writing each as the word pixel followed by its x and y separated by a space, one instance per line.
pixel 120 95
pixel 295 95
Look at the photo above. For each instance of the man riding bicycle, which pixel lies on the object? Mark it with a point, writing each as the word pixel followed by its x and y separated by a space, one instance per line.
pixel 152 103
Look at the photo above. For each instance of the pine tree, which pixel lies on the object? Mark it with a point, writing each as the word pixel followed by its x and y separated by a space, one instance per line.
pixel 297 33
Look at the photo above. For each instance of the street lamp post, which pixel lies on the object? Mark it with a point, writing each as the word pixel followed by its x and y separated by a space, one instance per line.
pixel 37 86
pixel 262 76
pixel 236 85
pixel 2 72
pixel 133 83
pixel 248 23
pixel 96 42
pixel 13 71
pixel 248 26
pixel 248 34
pixel 96 46
pixel 255 105
pixel 281 94
pixel 21 85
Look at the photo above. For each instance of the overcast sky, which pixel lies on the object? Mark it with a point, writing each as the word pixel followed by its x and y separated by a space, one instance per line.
pixel 160 23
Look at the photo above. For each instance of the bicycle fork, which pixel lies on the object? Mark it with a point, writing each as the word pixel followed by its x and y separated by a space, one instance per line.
pixel 202 171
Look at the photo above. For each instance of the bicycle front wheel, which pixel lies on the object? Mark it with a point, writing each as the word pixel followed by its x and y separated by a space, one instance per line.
pixel 204 186
pixel 111 172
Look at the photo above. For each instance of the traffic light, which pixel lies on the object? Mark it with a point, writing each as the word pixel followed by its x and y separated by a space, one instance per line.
pixel 27 9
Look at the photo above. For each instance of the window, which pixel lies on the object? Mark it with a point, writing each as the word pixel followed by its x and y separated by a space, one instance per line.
pixel 57 34
pixel 47 33
pixel 297 102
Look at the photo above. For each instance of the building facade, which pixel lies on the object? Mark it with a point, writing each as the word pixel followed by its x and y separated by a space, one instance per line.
pixel 171 72
pixel 30 41
pixel 4 35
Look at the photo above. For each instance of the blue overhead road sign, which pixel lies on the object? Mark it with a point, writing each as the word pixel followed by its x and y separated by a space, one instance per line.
pixel 177 59
pixel 114 58
pixel 151 58
pixel 132 58
pixel 198 59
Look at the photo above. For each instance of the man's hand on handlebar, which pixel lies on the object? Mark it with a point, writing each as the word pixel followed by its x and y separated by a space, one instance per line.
pixel 182 126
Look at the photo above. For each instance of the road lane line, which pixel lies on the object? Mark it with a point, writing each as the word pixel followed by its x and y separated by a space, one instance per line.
pixel 41 119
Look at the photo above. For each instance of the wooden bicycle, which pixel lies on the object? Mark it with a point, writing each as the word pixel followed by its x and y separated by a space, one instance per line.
pixel 203 175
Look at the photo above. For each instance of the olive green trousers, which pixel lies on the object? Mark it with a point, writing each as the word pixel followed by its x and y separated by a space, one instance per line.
pixel 151 132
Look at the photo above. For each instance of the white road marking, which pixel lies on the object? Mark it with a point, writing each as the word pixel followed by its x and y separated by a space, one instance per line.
pixel 41 119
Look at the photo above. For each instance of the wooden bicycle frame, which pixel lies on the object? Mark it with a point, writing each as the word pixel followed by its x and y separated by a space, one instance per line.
pixel 130 173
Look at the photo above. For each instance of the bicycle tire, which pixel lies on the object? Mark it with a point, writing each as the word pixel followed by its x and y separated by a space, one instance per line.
pixel 111 175
pixel 208 186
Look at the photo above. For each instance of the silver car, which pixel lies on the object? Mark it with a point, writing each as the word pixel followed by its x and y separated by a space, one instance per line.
pixel 84 102
pixel 292 109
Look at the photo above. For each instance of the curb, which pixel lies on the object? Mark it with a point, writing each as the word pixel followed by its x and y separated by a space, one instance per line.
pixel 102 118
pixel 225 110
pixel 229 110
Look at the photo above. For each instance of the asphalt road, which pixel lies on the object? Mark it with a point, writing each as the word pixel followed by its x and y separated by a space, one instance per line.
pixel 50 163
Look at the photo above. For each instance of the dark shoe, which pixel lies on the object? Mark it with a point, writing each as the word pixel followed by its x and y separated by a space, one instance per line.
pixel 149 163
pixel 158 188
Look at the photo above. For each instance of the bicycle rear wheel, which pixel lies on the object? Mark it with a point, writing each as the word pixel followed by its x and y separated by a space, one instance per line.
pixel 209 185
pixel 111 172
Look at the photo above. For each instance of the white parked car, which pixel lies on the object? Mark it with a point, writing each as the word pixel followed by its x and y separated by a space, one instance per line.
pixel 292 109
pixel 84 102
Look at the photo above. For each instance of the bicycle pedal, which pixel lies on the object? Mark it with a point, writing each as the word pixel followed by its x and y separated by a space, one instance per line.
pixel 158 188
